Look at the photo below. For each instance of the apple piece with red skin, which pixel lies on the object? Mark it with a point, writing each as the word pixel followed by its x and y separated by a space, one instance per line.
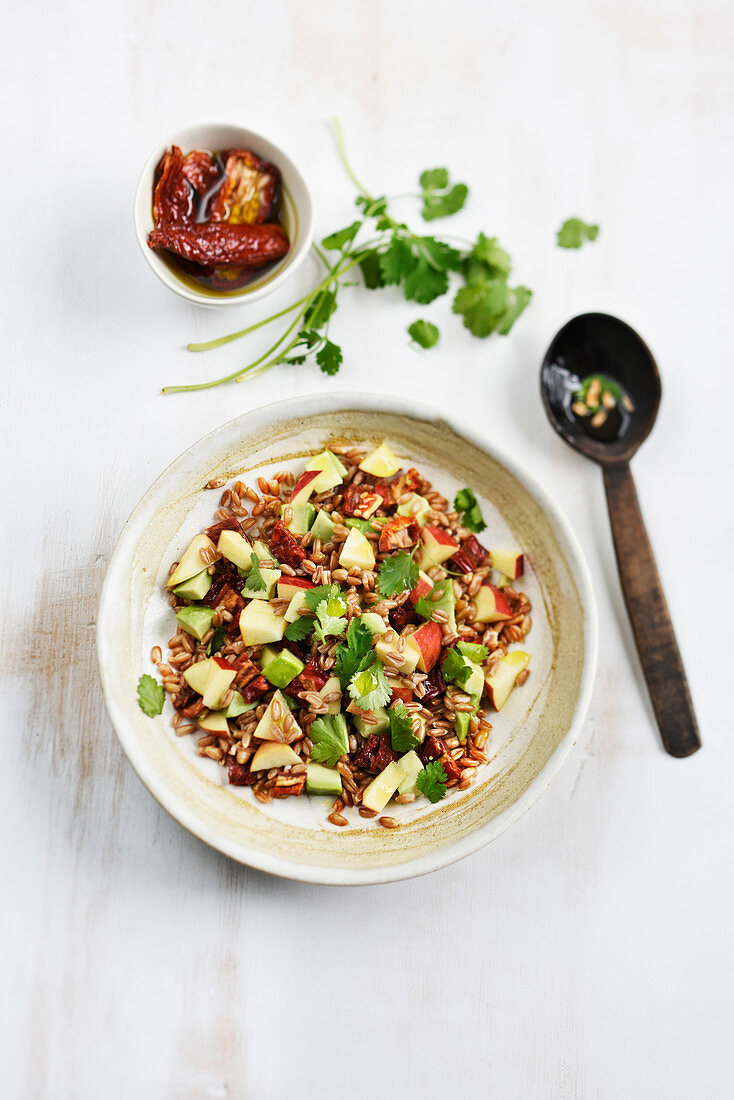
pixel 289 586
pixel 401 693
pixel 213 721
pixel 427 640
pixel 423 587
pixel 499 683
pixel 509 562
pixel 273 754
pixel 304 486
pixel 196 675
pixel 436 547
pixel 492 606
pixel 221 675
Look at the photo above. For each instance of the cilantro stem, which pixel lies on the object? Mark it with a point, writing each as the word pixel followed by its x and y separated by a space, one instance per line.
pixel 343 157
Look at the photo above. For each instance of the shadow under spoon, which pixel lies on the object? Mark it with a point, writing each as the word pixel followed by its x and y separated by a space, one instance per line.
pixel 595 343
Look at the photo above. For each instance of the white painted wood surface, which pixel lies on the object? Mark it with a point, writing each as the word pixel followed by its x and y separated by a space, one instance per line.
pixel 588 952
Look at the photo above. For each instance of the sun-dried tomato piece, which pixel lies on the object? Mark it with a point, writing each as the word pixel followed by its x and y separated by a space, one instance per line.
pixel 193 710
pixel 366 757
pixel 452 769
pixel 399 533
pixel 288 785
pixel 229 524
pixel 255 689
pixel 359 503
pixel 461 562
pixel 434 684
pixel 221 243
pixel 311 678
pixel 201 170
pixel 285 547
pixel 431 749
pixel 385 490
pixel 385 755
pixel 471 556
pixel 241 776
pixel 172 198
pixel 184 697
pixel 248 192
pixel 408 482
pixel 400 616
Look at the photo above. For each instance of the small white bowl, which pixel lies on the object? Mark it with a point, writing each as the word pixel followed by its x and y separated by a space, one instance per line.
pixel 296 212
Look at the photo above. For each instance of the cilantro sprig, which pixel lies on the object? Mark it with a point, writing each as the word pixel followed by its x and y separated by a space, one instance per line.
pixel 150 695
pixel 398 573
pixel 388 252
pixel 329 624
pixel 330 739
pixel 255 579
pixel 368 686
pixel 432 781
pixel 302 628
pixel 402 737
pixel 352 651
pixel 423 333
pixel 465 502
pixel 574 232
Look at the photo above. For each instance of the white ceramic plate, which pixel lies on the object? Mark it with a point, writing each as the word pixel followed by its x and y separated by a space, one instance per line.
pixel 531 736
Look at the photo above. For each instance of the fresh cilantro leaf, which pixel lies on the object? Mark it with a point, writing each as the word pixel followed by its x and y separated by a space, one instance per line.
pixel 370 267
pixel 255 580
pixel 423 333
pixel 216 641
pixel 150 695
pixel 432 781
pixel 329 357
pixel 474 651
pixel 330 739
pixel 486 260
pixel 397 261
pixel 351 652
pixel 300 629
pixel 574 232
pixel 425 284
pixel 434 179
pixel 466 502
pixel 481 305
pixel 314 596
pixel 321 309
pixel 294 360
pixel 398 573
pixel 518 298
pixel 438 254
pixel 402 737
pixel 439 199
pixel 454 667
pixel 369 687
pixel 425 606
pixel 373 208
pixel 342 236
pixel 328 625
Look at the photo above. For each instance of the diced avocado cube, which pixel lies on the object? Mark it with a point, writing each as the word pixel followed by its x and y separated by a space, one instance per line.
pixel 365 525
pixel 196 587
pixel 365 728
pixel 446 601
pixel 473 650
pixel 301 519
pixel 474 681
pixel 196 620
pixel 238 706
pixel 412 765
pixel 282 668
pixel 417 507
pixel 267 656
pixel 374 622
pixel 461 725
pixel 323 526
pixel 322 780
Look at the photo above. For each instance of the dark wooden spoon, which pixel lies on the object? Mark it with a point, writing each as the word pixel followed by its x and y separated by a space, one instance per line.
pixel 596 343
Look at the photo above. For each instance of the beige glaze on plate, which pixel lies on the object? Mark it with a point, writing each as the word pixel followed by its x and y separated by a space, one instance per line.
pixel 531 736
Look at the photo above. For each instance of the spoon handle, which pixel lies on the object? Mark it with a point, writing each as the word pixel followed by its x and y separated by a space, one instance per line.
pixel 648 612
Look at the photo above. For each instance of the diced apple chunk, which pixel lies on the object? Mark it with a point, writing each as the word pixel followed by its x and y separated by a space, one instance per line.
pixel 304 487
pixel 491 605
pixel 235 548
pixel 357 552
pixel 417 507
pixel 426 641
pixel 270 727
pixel 259 624
pixel 213 721
pixel 381 463
pixel 412 765
pixel 298 601
pixel 423 587
pixel 331 471
pixel 436 547
pixel 501 681
pixel 289 586
pixel 273 754
pixel 379 792
pixel 197 675
pixel 374 622
pixel 332 685
pixel 509 562
pixel 410 655
pixel 270 578
pixel 218 682
pixel 191 561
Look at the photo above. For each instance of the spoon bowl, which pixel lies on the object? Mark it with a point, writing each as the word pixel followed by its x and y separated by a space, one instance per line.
pixel 595 343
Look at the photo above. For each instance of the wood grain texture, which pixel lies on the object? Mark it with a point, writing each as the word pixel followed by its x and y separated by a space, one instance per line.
pixel 584 955
pixel 649 616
